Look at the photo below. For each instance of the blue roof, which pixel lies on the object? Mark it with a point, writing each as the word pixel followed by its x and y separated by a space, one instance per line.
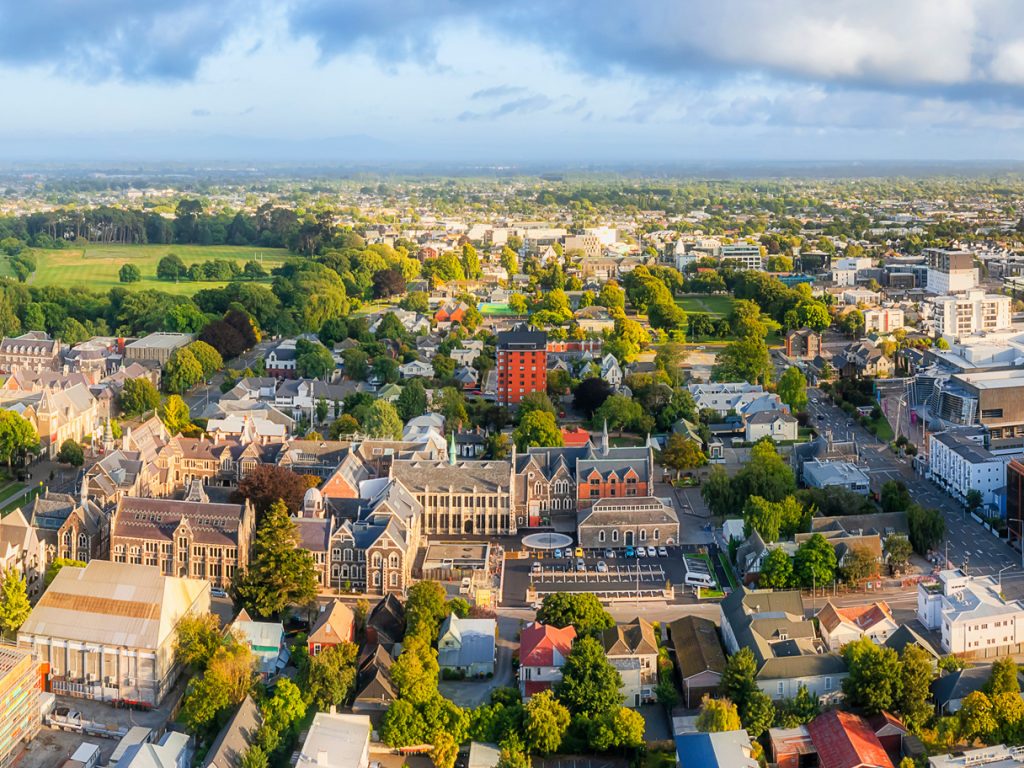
pixel 727 749
pixel 694 750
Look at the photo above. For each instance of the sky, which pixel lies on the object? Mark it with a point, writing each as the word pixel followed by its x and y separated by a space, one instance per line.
pixel 488 81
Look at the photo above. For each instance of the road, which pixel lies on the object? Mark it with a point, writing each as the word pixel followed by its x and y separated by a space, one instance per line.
pixel 984 553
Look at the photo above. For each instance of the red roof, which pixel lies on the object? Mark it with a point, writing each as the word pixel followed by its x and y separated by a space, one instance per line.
pixel 538 643
pixel 575 437
pixel 845 740
pixel 533 687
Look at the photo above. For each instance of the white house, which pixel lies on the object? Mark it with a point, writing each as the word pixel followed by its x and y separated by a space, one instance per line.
pixel 972 616
pixel 611 371
pixel 958 465
pixel 839 626
pixel 778 425
pixel 467 645
pixel 416 368
pixel 738 396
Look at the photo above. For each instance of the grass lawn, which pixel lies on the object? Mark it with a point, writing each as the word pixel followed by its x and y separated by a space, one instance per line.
pixel 716 306
pixel 24 501
pixel 9 487
pixel 884 430
pixel 96 266
pixel 727 567
pixel 706 593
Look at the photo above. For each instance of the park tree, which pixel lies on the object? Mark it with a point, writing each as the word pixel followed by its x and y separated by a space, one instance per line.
pixel 590 394
pixel 14 604
pixel 976 717
pixel 129 273
pixel 71 453
pixel 182 371
pixel 620 413
pixel 590 684
pixel 388 283
pixel 425 606
pixel 611 296
pixel 916 675
pixel 898 549
pixel 138 396
pixel 815 562
pixel 537 428
pixel 170 267
pixel 776 570
pixel 745 359
pixel 894 496
pixel 681 453
pixel 1003 677
pixel 581 610
pixel 197 638
pixel 874 683
pixel 412 401
pixel 382 421
pixel 268 483
pixel 280 572
pixel 175 415
pixel 545 723
pixel 313 360
pixel 927 527
pixel 792 389
pixel 718 715
pixel 747 320
pixel 209 358
pixel 718 493
pixel 331 675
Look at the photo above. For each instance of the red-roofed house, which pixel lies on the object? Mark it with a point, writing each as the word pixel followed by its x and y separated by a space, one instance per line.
pixel 575 437
pixel 451 312
pixel 890 731
pixel 840 626
pixel 334 625
pixel 542 652
pixel 845 740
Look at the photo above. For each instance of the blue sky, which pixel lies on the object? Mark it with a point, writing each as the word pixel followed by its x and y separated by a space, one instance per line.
pixel 603 81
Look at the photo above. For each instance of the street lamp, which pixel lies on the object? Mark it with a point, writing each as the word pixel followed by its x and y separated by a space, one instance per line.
pixel 1006 568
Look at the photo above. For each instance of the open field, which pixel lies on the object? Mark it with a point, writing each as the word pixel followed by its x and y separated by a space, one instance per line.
pixel 96 266
pixel 716 306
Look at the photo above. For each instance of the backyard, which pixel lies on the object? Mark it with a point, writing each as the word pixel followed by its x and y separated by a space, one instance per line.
pixel 96 266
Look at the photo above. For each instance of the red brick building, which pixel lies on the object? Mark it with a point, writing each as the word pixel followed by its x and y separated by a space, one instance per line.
pixel 522 363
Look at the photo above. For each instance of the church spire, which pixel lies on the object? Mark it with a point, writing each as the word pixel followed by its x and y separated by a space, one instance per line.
pixel 604 438
pixel 451 449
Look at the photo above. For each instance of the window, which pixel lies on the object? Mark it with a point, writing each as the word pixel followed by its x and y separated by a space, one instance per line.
pixel 615 535
pixel 600 536
pixel 376 578
pixel 828 683
pixel 394 579
pixel 782 688
pixel 643 534
pixel 657 534
pixel 393 560
pixel 316 648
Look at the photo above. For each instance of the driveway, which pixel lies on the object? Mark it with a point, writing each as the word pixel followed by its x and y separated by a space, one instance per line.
pixel 474 693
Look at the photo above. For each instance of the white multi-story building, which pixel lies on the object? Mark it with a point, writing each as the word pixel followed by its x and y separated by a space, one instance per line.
pixel 972 616
pixel 959 464
pixel 971 312
pixel 950 271
pixel 882 319
pixel 744 255
pixel 844 270
pixel 860 296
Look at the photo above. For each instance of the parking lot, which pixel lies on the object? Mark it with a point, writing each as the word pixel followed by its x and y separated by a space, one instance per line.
pixel 609 573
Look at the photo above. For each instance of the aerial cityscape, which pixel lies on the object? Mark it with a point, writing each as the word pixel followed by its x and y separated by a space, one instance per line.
pixel 535 385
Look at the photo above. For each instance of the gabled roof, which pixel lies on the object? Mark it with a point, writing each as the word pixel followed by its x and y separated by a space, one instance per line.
pixel 856 617
pixel 956 685
pixel 697 647
pixel 845 740
pixel 538 643
pixel 333 624
pixel 633 639
pixel 236 737
pixel 388 619
pixel 904 636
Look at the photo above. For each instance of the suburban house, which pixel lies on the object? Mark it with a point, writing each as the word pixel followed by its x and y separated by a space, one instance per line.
pixel 416 368
pixel 633 650
pixel 336 741
pixel 699 657
pixel 950 690
pixel 803 343
pixel 846 740
pixel 860 359
pixel 724 749
pixel 385 626
pixel 236 737
pixel 374 691
pixel 974 619
pixel 839 626
pixel 785 644
pixel 23 551
pixel 334 624
pixel 107 631
pixel 467 646
pixel 779 425
pixel 542 652
pixel 266 641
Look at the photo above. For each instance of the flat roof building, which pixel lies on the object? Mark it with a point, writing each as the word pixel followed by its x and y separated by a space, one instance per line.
pixel 157 346
pixel 336 741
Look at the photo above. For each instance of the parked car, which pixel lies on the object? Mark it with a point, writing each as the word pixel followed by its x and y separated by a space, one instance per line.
pixel 581 565
pixel 662 552
pixel 558 554
pixel 217 592
pixel 579 552
pixel 641 551
pixel 535 569
pixel 601 567
pixel 467 582
pixel 609 554
pixel 630 552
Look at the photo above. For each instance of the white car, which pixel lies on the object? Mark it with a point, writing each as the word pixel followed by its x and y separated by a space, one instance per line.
pixel 536 568
pixel 662 552
pixel 601 567
pixel 641 551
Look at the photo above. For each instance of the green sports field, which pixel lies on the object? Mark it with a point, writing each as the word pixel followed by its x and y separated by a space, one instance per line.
pixel 96 266
pixel 716 306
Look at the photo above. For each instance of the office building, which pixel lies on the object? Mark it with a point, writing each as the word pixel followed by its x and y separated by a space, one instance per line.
pixel 882 319
pixel 959 465
pixel 743 256
pixel 974 619
pixel 974 311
